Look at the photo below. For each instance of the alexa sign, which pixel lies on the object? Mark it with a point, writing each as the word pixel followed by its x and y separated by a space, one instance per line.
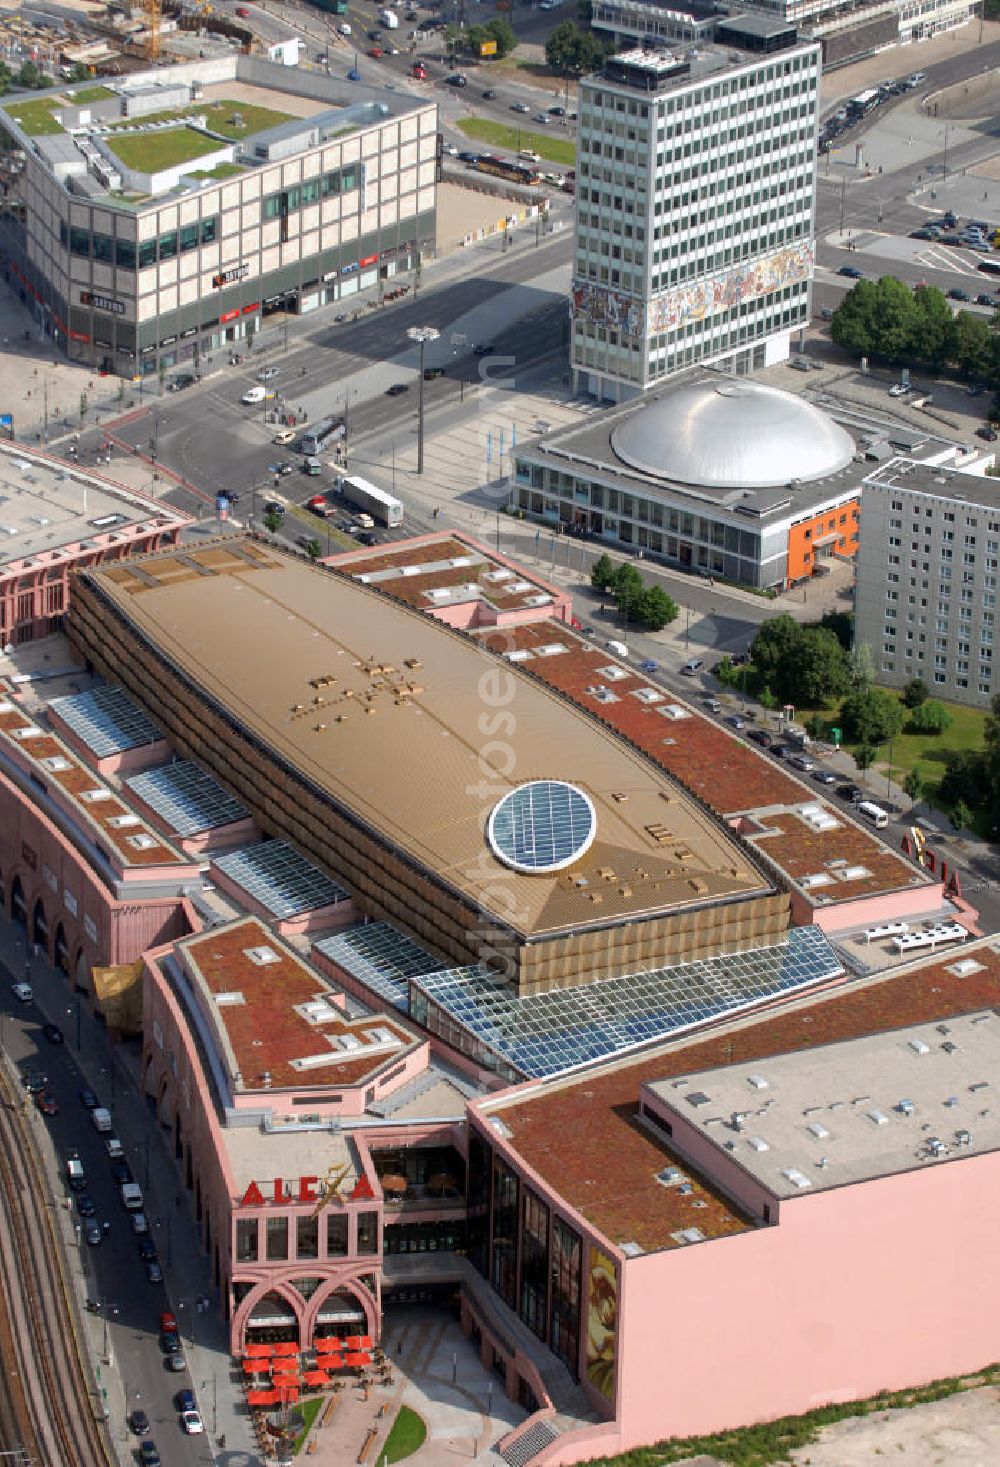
pixel 320 1190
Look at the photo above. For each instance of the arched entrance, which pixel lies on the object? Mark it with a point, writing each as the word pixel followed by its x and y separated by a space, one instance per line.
pixel 18 906
pixel 272 1319
pixel 346 1308
pixel 40 925
pixel 60 951
pixel 82 973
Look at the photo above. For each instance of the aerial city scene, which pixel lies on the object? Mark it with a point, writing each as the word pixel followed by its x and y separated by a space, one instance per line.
pixel 499 733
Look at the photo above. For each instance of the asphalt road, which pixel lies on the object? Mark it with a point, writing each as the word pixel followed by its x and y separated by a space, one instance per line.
pixel 114 1270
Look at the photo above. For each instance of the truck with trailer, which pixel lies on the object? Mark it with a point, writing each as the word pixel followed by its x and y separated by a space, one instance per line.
pixel 383 507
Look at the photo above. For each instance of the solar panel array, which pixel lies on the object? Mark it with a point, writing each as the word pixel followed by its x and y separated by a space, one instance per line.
pixel 547 1034
pixel 186 798
pixel 381 958
pixel 542 825
pixel 107 720
pixel 280 878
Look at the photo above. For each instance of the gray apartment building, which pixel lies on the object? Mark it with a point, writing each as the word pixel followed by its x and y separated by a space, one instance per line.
pixel 927 571
pixel 152 219
pixel 695 207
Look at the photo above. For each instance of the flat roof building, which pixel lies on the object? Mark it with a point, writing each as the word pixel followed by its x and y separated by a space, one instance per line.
pixel 56 516
pixel 694 211
pixel 363 740
pixel 926 596
pixel 158 217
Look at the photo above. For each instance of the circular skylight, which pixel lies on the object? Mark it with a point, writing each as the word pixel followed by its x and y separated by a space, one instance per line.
pixel 542 826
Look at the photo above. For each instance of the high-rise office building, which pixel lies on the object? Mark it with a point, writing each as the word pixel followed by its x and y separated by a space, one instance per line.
pixel 695 207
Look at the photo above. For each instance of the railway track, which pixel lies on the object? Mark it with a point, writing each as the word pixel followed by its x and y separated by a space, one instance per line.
pixel 47 1403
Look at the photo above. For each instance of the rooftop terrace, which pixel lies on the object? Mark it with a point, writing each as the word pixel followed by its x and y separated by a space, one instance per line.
pixel 603 1106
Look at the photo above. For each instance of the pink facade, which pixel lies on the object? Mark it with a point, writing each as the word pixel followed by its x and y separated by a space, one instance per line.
pixel 67 909
pixel 857 1289
pixel 887 906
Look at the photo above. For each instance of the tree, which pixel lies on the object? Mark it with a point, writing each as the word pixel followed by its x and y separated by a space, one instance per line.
pixel 862 666
pixel 816 726
pixel 629 587
pixel 766 698
pixel 313 549
pixel 964 778
pixel 31 75
pixel 930 717
pixel 870 716
pixel 864 757
pixel 894 321
pixel 962 816
pixel 853 324
pixel 570 50
pixel 915 693
pixel 841 624
pixel 727 674
pixel 914 784
pixel 818 670
pixel 602 577
pixel 774 643
pixel 933 326
pixel 501 31
pixel 971 345
pixel 272 521
pixel 655 609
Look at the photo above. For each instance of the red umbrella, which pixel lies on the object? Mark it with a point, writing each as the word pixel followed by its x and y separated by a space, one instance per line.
pixel 260 1398
pixel 254 1367
pixel 358 1358
pixel 364 1342
pixel 316 1378
pixel 287 1347
pixel 259 1350
pixel 353 1342
pixel 289 1395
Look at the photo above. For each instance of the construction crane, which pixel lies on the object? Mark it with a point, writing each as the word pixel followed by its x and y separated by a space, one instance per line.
pixel 152 11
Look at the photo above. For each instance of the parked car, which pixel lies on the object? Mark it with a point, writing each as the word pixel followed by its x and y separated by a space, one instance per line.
pixel 782 751
pixel 35 1082
pixel 182 380
pixel 760 736
pixel 185 1401
pixel 803 762
pixel 154 1272
pixel 266 373
pixel 484 349
pixel 139 1423
pixel 170 1344
pixel 148 1455
pixel 982 299
pixel 990 434
pixel 93 1233
pixel 192 1423
pixel 923 234
pixel 87 1098
pixel 85 1205
pixel 22 992
pixel 648 665
pixel 121 1172
pixel 489 95
pixel 432 373
pixel 457 79
pixel 53 1033
pixel 851 792
pixel 899 389
pixel 712 704
pixel 851 271
pixel 47 1104
pixel 147 1248
pixel 397 389
pixel 735 721
pixel 519 107
pixel 824 776
pixel 466 157
pixel 139 1222
pixel 957 294
pixel 168 1323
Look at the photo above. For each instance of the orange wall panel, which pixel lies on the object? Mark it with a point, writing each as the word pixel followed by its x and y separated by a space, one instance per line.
pixel 803 536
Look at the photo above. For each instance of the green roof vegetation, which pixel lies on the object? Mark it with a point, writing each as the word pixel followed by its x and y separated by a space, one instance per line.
pixel 148 152
pixel 502 135
pixel 92 94
pixel 221 170
pixel 219 118
pixel 35 117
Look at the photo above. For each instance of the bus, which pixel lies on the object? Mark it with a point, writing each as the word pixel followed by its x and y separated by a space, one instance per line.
pixel 864 103
pixel 371 500
pixel 315 439
pixel 512 172
pixel 874 814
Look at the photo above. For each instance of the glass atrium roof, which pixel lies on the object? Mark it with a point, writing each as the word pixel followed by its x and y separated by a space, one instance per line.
pixel 107 720
pixel 542 826
pixel 186 798
pixel 280 879
pixel 381 958
pixel 547 1034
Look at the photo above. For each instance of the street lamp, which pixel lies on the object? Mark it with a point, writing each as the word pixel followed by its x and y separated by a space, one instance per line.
pixel 422 335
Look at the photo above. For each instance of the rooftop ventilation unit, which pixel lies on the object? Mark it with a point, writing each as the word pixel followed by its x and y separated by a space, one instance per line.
pixel 670 1176
pixel 689 1235
pixel 631 1250
pixel 919 1047
pixel 261 957
pixel 796 1178
pixel 905 1107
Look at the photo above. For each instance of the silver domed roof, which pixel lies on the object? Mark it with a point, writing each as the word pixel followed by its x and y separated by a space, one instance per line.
pixel 732 434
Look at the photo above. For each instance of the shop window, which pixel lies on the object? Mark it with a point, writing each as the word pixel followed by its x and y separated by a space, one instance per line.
pixel 336 1234
pixel 307 1237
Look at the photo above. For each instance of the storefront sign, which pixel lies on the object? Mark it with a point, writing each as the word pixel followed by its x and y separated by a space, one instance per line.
pixel 320 1190
pixel 249 310
pixel 368 260
pixel 228 316
pixel 227 277
pixel 102 303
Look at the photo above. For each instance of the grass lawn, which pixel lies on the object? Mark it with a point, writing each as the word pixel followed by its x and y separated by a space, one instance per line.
pixel 221 170
pixel 501 135
pixel 92 94
pixel 35 117
pixel 309 1410
pixel 407 1436
pixel 150 151
pixel 219 117
pixel 929 752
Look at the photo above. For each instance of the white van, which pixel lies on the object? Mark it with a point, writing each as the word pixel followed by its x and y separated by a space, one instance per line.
pixel 101 1120
pixel 75 1174
pixel 618 648
pixel 115 1149
pixel 692 666
pixel 874 814
pixel 131 1194
pixel 257 393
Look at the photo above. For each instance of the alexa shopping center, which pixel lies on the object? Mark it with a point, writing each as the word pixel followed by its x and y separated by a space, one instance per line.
pixel 149 221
